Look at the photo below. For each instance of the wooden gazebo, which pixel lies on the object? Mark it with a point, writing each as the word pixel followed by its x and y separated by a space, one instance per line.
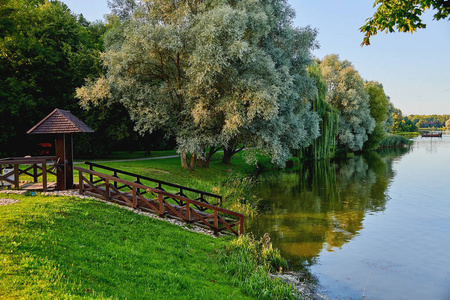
pixel 63 124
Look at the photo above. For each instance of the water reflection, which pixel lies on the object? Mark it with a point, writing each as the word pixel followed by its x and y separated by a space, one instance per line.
pixel 323 205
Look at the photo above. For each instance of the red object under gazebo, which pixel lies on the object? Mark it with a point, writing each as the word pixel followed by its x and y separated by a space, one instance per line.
pixel 64 124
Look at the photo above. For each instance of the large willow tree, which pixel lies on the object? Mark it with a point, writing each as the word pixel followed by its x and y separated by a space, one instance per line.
pixel 379 109
pixel 325 144
pixel 212 73
pixel 346 94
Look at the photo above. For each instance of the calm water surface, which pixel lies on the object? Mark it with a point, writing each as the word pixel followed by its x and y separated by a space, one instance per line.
pixel 370 227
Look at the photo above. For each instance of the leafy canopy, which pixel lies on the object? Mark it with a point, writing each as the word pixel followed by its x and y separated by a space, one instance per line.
pixel 379 109
pixel 404 15
pixel 346 94
pixel 45 52
pixel 211 73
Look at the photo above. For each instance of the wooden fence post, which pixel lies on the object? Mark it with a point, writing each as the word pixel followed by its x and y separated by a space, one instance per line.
pixel 161 205
pixel 35 177
pixel 241 225
pixel 138 181
pixel 134 197
pixel 91 177
pixel 16 176
pixel 107 190
pixel 188 211
pixel 44 175
pixel 216 222
pixel 80 185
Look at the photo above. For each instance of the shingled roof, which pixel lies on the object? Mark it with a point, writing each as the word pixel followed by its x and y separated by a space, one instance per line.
pixel 60 121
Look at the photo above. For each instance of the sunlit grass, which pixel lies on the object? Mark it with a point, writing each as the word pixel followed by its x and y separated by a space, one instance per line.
pixel 119 155
pixel 249 261
pixel 233 182
pixel 70 248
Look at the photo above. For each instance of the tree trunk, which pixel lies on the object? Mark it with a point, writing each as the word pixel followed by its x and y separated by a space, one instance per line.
pixel 204 162
pixel 183 158
pixel 192 162
pixel 184 161
pixel 227 154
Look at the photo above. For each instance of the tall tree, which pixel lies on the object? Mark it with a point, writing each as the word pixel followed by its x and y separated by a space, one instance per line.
pixel 402 123
pixel 45 52
pixel 397 115
pixel 324 145
pixel 379 108
pixel 212 73
pixel 38 47
pixel 390 118
pixel 347 95
pixel 404 15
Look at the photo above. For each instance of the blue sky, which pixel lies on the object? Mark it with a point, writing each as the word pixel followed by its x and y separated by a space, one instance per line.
pixel 413 68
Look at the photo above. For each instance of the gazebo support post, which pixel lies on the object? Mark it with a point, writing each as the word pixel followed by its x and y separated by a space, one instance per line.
pixel 64 158
pixel 69 160
pixel 64 124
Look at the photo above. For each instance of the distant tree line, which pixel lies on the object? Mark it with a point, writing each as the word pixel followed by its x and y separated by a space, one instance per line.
pixel 430 121
pixel 413 123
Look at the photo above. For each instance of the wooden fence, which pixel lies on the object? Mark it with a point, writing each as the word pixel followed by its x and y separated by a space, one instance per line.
pixel 34 167
pixel 201 196
pixel 178 206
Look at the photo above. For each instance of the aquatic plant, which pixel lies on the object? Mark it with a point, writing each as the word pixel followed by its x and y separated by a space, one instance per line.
pixel 393 140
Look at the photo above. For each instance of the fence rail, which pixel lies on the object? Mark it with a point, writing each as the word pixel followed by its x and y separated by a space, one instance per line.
pixel 35 167
pixel 203 197
pixel 128 193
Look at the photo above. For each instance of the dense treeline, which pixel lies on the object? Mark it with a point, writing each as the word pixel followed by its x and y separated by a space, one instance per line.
pixel 401 123
pixel 202 77
pixel 413 123
pixel 231 75
pixel 430 121
pixel 45 53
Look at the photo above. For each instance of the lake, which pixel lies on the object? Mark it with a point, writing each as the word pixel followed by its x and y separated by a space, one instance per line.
pixel 373 226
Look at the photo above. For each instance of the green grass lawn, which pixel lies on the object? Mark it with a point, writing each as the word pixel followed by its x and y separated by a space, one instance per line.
pixel 117 155
pixel 230 181
pixel 233 182
pixel 70 248
pixel 407 134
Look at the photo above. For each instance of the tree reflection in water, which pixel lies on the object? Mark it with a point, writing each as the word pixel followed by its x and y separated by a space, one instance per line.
pixel 322 206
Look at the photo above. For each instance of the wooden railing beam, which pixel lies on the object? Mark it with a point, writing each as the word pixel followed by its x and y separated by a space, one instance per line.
pixel 162 207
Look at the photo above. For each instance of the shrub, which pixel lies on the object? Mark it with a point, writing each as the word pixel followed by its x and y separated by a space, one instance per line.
pixel 250 262
pixel 393 141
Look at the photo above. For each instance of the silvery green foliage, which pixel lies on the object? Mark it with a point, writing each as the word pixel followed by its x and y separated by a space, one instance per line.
pixel 346 93
pixel 215 73
pixel 390 119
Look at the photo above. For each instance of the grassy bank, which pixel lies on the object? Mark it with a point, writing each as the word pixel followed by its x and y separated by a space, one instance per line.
pixel 70 248
pixel 233 182
pixel 407 134
pixel 132 155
